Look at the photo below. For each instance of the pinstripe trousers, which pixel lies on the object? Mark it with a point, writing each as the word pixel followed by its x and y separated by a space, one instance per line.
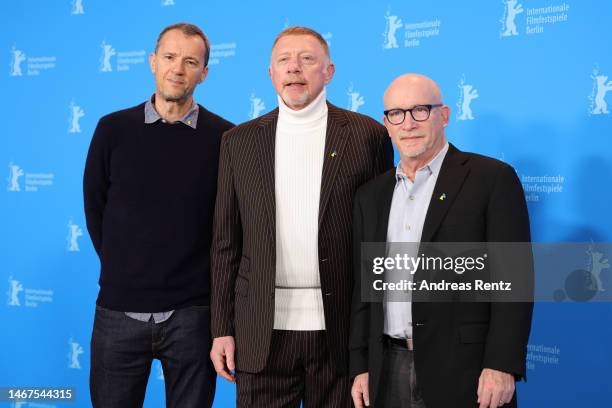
pixel 299 370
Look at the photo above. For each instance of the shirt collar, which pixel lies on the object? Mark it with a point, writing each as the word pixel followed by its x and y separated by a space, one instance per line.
pixel 190 119
pixel 433 167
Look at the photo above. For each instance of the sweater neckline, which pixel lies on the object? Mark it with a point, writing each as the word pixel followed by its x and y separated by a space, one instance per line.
pixel 314 111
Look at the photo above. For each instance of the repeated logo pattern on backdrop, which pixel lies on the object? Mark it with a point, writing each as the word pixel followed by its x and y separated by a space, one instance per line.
pixel 414 33
pixel 113 60
pixel 528 82
pixel 536 19
pixel 33 182
pixel 257 106
pixel 601 86
pixel 76 113
pixel 22 65
pixel 467 93
pixel 31 297
pixel 356 100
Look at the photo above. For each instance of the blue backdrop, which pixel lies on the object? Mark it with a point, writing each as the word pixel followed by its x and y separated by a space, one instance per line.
pixel 527 81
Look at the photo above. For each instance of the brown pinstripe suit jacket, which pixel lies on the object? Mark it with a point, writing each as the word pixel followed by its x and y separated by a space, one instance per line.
pixel 357 148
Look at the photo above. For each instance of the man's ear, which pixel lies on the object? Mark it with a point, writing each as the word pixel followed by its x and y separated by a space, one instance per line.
pixel 329 73
pixel 387 125
pixel 152 64
pixel 203 75
pixel 445 112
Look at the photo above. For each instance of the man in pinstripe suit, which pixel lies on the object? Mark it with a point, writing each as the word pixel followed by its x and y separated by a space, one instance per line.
pixel 281 257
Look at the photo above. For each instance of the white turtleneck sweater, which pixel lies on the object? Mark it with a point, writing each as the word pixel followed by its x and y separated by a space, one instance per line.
pixel 300 146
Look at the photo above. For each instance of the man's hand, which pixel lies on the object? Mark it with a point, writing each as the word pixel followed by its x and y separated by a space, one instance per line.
pixel 495 388
pixel 360 392
pixel 222 356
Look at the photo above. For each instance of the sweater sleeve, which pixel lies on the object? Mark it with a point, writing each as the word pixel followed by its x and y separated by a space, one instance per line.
pixel 96 182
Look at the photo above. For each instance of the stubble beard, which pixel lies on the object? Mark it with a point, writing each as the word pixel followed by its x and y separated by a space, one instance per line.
pixel 299 101
pixel 417 153
pixel 179 97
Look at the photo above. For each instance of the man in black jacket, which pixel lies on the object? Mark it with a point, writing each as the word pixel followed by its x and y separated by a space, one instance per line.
pixel 444 354
pixel 149 187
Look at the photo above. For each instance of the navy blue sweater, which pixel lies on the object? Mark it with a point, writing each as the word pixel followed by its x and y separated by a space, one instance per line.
pixel 149 192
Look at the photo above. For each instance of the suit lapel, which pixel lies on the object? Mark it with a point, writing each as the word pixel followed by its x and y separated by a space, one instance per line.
pixel 450 180
pixel 335 142
pixel 266 144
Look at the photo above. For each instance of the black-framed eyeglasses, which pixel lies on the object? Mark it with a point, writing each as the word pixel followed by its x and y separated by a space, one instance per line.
pixel 420 113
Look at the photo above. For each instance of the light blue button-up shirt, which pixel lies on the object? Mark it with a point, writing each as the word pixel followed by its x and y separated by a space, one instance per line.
pixel 406 219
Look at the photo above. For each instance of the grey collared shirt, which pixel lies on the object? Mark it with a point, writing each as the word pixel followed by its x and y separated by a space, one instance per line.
pixel 190 118
pixel 145 317
pixel 151 116
pixel 406 219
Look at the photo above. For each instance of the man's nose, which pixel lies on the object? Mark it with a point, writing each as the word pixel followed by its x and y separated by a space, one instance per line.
pixel 293 65
pixel 178 67
pixel 409 123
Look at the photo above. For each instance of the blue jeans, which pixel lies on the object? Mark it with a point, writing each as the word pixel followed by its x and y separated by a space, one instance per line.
pixel 122 350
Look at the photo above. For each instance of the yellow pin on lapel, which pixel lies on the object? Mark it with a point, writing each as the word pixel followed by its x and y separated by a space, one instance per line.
pixel 442 197
pixel 334 154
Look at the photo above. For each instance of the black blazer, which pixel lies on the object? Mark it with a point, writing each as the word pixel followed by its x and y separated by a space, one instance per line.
pixel 453 342
pixel 357 148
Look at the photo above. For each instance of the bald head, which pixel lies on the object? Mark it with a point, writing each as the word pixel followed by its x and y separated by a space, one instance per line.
pixel 417 87
pixel 417 140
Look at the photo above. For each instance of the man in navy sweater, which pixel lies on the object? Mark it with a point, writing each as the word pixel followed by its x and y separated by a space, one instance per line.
pixel 149 187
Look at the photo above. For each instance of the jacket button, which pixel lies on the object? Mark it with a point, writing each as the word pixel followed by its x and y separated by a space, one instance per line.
pixel 323 259
pixel 328 294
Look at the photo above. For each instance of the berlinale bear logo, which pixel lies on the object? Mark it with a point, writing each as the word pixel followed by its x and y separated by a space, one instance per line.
pixel 393 24
pixel 508 21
